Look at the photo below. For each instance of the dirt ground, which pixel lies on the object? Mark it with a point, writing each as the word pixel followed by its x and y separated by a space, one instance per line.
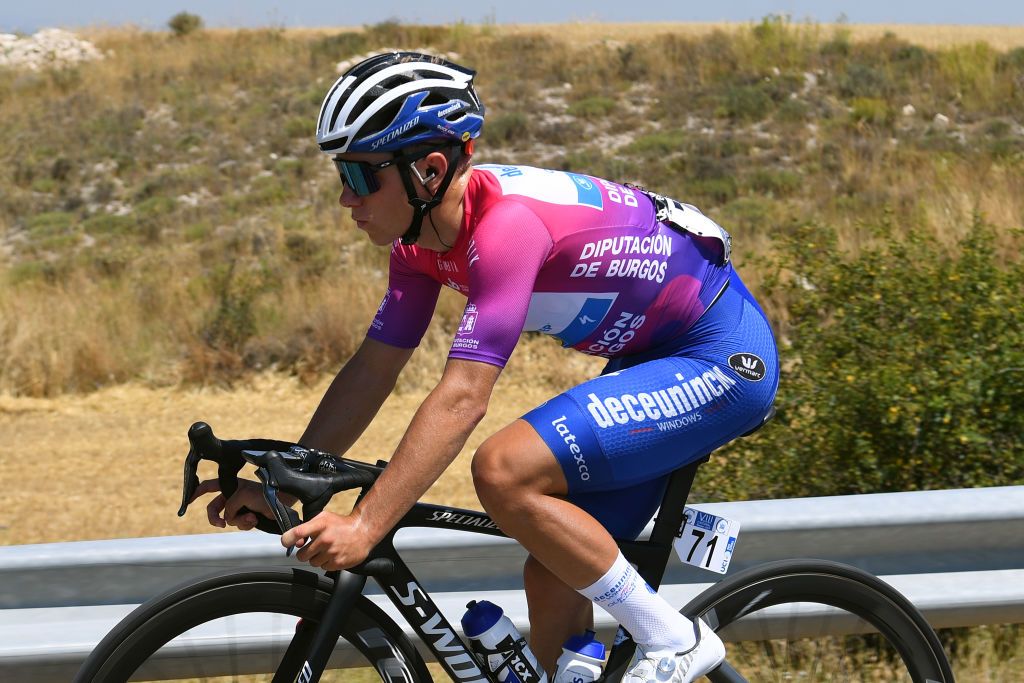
pixel 109 464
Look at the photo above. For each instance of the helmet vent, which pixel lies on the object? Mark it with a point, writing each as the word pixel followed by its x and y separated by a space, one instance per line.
pixel 434 98
pixel 334 144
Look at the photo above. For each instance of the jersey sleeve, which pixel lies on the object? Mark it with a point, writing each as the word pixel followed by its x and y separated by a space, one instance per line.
pixel 408 305
pixel 509 247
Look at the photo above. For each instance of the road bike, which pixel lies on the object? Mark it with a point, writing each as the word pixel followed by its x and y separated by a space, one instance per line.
pixel 861 628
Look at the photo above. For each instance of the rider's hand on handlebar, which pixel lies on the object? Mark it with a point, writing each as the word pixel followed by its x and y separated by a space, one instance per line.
pixel 330 541
pixel 221 511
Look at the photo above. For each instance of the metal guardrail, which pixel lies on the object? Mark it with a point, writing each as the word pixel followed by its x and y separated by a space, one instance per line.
pixel 958 555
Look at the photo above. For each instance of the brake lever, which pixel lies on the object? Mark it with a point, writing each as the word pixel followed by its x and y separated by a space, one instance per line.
pixel 203 444
pixel 191 479
pixel 286 516
pixel 228 456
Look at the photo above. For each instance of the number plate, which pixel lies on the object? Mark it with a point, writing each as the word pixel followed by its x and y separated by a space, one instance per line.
pixel 706 541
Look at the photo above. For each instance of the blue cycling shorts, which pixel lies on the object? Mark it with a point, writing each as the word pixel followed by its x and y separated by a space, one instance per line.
pixel 617 437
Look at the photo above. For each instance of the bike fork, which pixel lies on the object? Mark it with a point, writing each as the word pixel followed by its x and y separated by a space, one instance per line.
pixel 346 587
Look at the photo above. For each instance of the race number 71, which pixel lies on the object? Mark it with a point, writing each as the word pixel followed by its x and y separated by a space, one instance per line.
pixel 706 541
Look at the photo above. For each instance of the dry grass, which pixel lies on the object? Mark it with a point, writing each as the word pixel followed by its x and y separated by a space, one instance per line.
pixel 926 35
pixel 91 304
pixel 108 464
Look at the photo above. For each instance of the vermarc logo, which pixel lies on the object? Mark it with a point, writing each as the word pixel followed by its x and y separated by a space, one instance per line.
pixel 748 366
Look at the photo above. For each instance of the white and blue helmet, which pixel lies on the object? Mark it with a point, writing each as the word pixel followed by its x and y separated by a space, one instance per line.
pixel 397 100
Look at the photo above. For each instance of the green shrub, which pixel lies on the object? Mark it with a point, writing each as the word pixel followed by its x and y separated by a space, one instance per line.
pixel 112 262
pixel 333 49
pixel 997 128
pixel 50 223
pixel 153 207
pixel 871 110
pixel 594 161
pixel 793 110
pixel 905 368
pixel 109 224
pixel 970 71
pixel 747 103
pixel 775 182
pixel 1007 147
pixel 773 33
pixel 45 185
pixel 33 271
pixel 199 231
pixel 658 144
pixel 184 23
pixel 713 190
pixel 838 46
pixel 507 129
pixel 593 107
pixel 271 190
pixel 864 80
pixel 231 322
pixel 61 168
pixel 633 66
pixel 1011 61
pixel 748 216
pixel 300 127
pixel 912 60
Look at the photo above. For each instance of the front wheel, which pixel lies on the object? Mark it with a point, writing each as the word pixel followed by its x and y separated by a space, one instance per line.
pixel 813 620
pixel 240 623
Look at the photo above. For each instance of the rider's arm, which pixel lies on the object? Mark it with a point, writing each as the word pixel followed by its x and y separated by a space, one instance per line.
pixel 367 379
pixel 511 245
pixel 436 435
pixel 355 396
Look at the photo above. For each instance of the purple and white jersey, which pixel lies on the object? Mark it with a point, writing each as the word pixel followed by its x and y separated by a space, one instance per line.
pixel 577 257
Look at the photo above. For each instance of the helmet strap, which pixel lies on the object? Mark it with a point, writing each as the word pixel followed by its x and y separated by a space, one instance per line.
pixel 436 233
pixel 421 207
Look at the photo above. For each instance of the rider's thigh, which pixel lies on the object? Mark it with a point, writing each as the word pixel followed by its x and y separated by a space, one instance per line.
pixel 516 458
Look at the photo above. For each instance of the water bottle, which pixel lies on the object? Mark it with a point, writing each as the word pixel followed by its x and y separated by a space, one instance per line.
pixel 581 659
pixel 499 645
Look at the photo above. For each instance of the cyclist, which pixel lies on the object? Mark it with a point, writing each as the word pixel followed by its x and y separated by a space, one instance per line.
pixel 607 269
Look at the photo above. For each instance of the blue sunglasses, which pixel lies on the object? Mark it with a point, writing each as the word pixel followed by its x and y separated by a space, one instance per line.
pixel 361 176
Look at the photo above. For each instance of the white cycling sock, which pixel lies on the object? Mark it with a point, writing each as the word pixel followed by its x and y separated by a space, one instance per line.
pixel 624 594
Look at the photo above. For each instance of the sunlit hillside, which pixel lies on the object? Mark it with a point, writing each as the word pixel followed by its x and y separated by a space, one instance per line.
pixel 166 220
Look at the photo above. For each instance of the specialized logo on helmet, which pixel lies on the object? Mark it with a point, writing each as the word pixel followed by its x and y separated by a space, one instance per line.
pixel 405 127
pixel 748 366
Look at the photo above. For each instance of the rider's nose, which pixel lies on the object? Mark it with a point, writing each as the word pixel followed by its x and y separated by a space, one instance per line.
pixel 349 198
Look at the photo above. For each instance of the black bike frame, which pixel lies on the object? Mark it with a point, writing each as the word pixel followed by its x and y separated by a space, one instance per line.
pixel 414 603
